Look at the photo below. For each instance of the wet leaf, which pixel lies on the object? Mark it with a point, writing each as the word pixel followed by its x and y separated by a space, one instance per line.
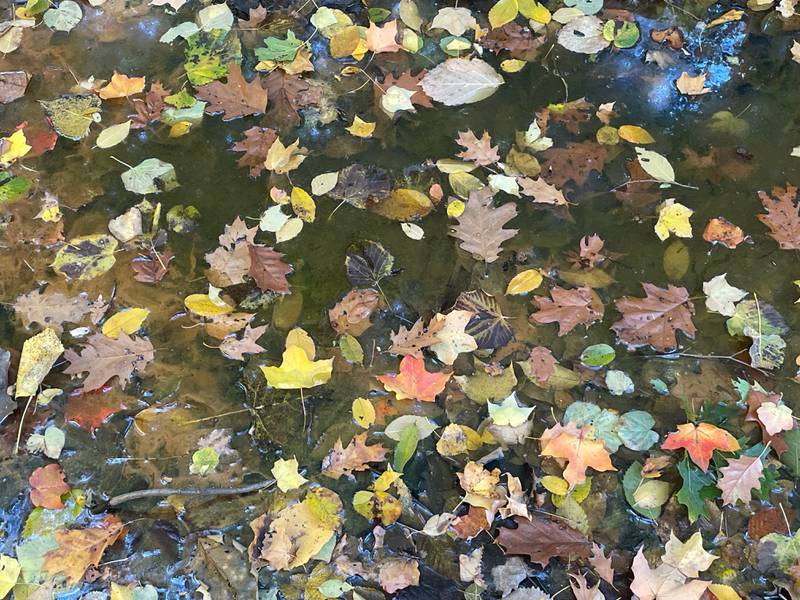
pixel 104 358
pixel 343 461
pixel 700 441
pixel 236 97
pixel 541 539
pixel 71 115
pixel 654 319
pixel 297 371
pixel 414 381
pixel 39 354
pixel 47 487
pixel 569 308
pixel 461 81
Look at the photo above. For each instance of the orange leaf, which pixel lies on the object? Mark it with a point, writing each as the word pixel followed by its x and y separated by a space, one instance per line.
pixel 79 549
pixel 700 442
pixel 121 86
pixel 578 448
pixel 47 487
pixel 381 39
pixel 414 381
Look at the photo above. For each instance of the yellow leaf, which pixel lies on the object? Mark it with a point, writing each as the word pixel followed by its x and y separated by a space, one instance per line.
pixel 363 412
pixel 455 209
pixel 555 485
pixel 503 12
pixel 540 13
pixel 17 147
pixel 51 214
pixel 635 134
pixel 524 282
pixel 286 475
pixel 128 321
pixel 303 205
pixel 673 217
pixel 180 128
pixel 728 17
pixel 385 481
pixel 723 592
pixel 39 354
pixel 513 65
pixel 9 572
pixel 203 306
pixel 361 128
pixel 113 135
pixel 297 371
pixel 299 337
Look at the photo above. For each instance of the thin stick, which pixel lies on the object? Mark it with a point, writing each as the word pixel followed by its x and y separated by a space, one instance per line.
pixel 21 422
pixel 214 491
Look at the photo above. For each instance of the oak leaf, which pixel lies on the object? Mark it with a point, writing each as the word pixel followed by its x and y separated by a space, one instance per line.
pixel 480 227
pixel 355 457
pixel 542 539
pixel 700 441
pixel 79 549
pixel 783 216
pixel 47 487
pixel 236 97
pixel 414 382
pixel 575 162
pixel 578 447
pixel 412 341
pixel 739 478
pixel 542 363
pixel 351 314
pixel 268 269
pixel 602 564
pixel 569 308
pixel 256 143
pixel 149 109
pixel 654 319
pixel 541 191
pixel 51 309
pixel 104 358
pixel 477 150
pixel 236 348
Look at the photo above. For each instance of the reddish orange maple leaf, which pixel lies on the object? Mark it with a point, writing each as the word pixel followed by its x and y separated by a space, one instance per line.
pixel 414 382
pixel 343 461
pixel 578 447
pixel 569 308
pixel 47 487
pixel 700 442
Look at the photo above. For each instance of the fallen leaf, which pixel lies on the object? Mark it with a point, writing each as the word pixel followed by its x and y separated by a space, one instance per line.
pixel 282 159
pixel 541 191
pixel 39 354
pixel 578 447
pixel 412 341
pixel 286 476
pixel 654 319
pixel 451 338
pixel 47 487
pixel 235 98
pixel 783 216
pixel 480 227
pixel 721 296
pixel 382 39
pixel 692 86
pixel 298 371
pixel 125 321
pixel 104 358
pixel 461 81
pixel 700 441
pixel 414 382
pixel 738 479
pixel 12 87
pixel 775 417
pixel 121 86
pixel 256 143
pixel 477 150
pixel 398 573
pixel 235 348
pixel 542 364
pixel 79 549
pixel 673 217
pixel 569 308
pixel 541 539
pixel 268 269
pixel 721 231
pixel 343 461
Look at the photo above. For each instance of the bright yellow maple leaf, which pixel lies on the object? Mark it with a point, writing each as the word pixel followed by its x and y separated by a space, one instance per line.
pixel 297 371
pixel 673 217
pixel 17 147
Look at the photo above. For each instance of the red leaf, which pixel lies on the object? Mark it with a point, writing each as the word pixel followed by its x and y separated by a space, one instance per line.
pixel 414 381
pixel 47 487
pixel 268 270
pixel 700 442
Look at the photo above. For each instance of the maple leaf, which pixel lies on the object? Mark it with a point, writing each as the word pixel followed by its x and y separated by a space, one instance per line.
pixel 287 95
pixel 51 309
pixel 248 344
pixel 382 39
pixel 355 457
pixel 256 143
pixel 452 340
pixel 414 382
pixel 700 441
pixel 236 97
pixel 79 549
pixel 229 265
pixel 469 525
pixel 655 319
pixel 47 487
pixel 351 314
pixel 663 583
pixel 105 358
pixel 90 409
pixel 298 371
pixel 541 539
pixel 542 364
pixel 149 109
pixel 268 270
pixel 541 191
pixel 692 86
pixel 783 216
pixel 569 308
pixel 236 232
pixel 282 159
pixel 575 162
pixel 739 478
pixel 412 341
pixel 578 448
pixel 121 86
pixel 152 267
pixel 480 227
pixel 478 150
pixel 407 81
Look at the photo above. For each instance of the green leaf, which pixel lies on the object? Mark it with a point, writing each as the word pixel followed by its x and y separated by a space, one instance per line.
pixel 787 549
pixel 691 493
pixel 405 448
pixel 351 349
pixel 182 219
pixel 14 188
pixel 791 457
pixel 208 55
pixel 757 316
pixel 334 588
pixel 474 592
pixel 86 257
pixel 598 355
pixel 378 15
pixel 151 176
pixel 630 484
pixel 627 35
pixel 182 99
pixel 65 17
pixel 278 49
pixel 635 430
pixel 204 461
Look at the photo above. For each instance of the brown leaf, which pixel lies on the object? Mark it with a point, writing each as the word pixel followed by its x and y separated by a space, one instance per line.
pixel 541 191
pixel 287 95
pixel 91 409
pixel 480 227
pixel 355 457
pixel 268 270
pixel 478 150
pixel 152 267
pixel 692 86
pixel 351 314
pixel 654 319
pixel 602 564
pixel 406 81
pixel 79 549
pixel 672 37
pixel 105 358
pixel 638 195
pixel 783 216
pixel 236 97
pixel 229 266
pixel 472 523
pixel 542 539
pixel 575 162
pixel 570 115
pixel 255 144
pixel 13 85
pixel 569 308
pixel 518 40
pixel 770 520
pixel 51 309
pixel 410 342
pixel 542 363
pixel 236 348
pixel 47 487
pixel 149 109
pixel 721 231
pixel 397 573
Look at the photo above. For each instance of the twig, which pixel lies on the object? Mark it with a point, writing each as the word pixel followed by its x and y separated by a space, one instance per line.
pixel 213 491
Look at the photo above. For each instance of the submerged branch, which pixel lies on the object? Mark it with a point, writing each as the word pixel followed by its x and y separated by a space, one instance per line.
pixel 212 491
